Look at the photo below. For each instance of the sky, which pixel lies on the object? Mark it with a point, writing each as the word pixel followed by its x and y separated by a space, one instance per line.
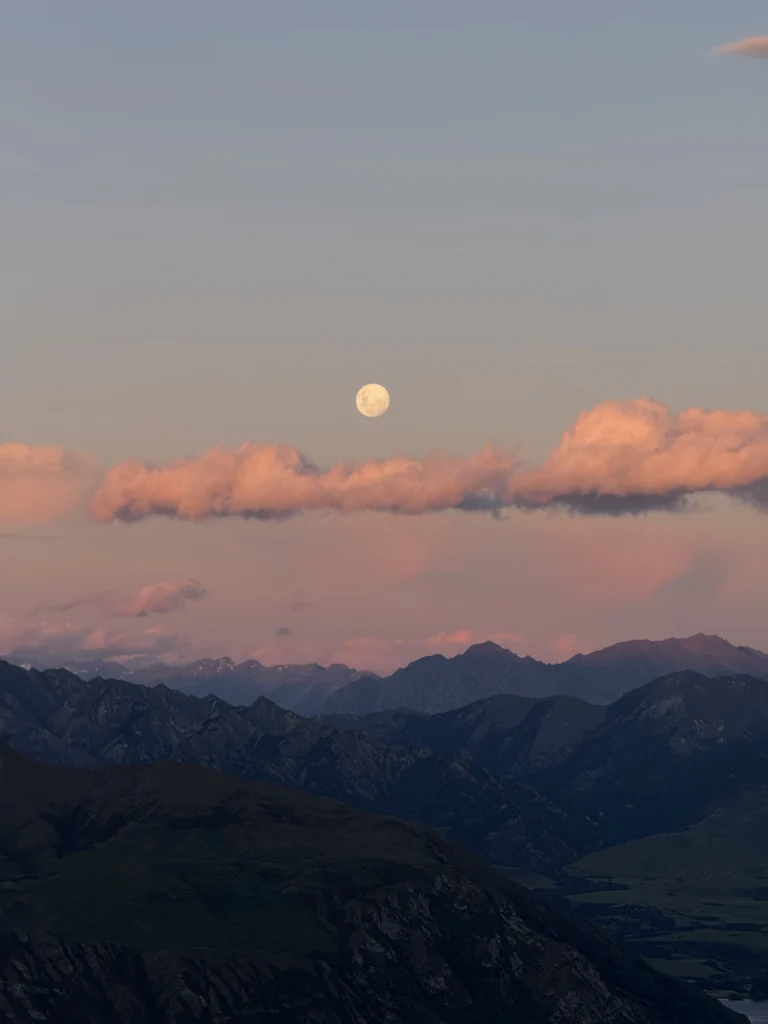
pixel 542 226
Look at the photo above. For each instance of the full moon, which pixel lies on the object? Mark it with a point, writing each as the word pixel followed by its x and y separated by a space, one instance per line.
pixel 372 400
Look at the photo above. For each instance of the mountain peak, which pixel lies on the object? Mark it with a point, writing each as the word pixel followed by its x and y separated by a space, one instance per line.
pixel 488 647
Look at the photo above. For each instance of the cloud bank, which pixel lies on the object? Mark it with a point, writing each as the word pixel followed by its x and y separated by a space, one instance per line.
pixel 752 46
pixel 56 643
pixel 161 598
pixel 618 458
pixel 43 483
pixel 272 482
pixel 637 456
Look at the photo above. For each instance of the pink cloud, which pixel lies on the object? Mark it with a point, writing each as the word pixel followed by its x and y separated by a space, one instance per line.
pixel 378 654
pixel 565 646
pixel 56 643
pixel 638 455
pixel 620 457
pixel 752 46
pixel 620 560
pixel 466 637
pixel 161 598
pixel 270 482
pixel 295 601
pixel 41 484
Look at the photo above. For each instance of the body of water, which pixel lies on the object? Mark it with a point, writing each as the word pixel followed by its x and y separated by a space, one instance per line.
pixel 757 1012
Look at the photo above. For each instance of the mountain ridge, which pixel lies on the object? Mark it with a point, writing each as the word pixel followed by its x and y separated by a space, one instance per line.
pixel 437 683
pixel 533 784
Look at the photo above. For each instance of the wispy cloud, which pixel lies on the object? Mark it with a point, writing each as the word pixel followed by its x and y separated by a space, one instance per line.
pixel 99 599
pixel 618 458
pixel 463 638
pixel 379 654
pixel 752 46
pixel 293 602
pixel 54 644
pixel 161 598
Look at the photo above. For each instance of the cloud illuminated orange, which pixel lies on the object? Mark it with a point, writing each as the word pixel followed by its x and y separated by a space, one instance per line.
pixel 752 46
pixel 161 598
pixel 637 455
pixel 43 483
pixel 55 642
pixel 271 481
pixel 620 457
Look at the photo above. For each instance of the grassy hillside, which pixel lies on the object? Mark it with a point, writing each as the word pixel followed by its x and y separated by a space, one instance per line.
pixel 695 901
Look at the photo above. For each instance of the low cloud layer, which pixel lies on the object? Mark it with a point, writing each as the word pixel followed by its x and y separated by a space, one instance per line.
pixel 272 482
pixel 161 598
pixel 47 642
pixel 752 46
pixel 380 654
pixel 41 484
pixel 618 458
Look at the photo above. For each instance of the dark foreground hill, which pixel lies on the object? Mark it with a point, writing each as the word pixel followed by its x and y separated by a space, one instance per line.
pixel 173 894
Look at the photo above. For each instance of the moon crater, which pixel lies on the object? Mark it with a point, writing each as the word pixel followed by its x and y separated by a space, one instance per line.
pixel 372 400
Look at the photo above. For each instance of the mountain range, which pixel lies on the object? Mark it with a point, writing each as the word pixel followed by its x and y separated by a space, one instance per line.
pixel 552 790
pixel 175 894
pixel 437 683
pixel 301 688
pixel 61 719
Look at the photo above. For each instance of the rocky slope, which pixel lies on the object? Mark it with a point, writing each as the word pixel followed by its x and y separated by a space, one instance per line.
pixel 511 736
pixel 174 894
pixel 300 688
pixel 666 754
pixel 61 719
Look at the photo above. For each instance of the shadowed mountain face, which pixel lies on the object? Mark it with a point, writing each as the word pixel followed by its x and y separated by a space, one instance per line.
pixel 533 784
pixel 510 736
pixel 528 783
pixel 436 683
pixel 59 718
pixel 300 688
pixel 667 753
pixel 173 894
